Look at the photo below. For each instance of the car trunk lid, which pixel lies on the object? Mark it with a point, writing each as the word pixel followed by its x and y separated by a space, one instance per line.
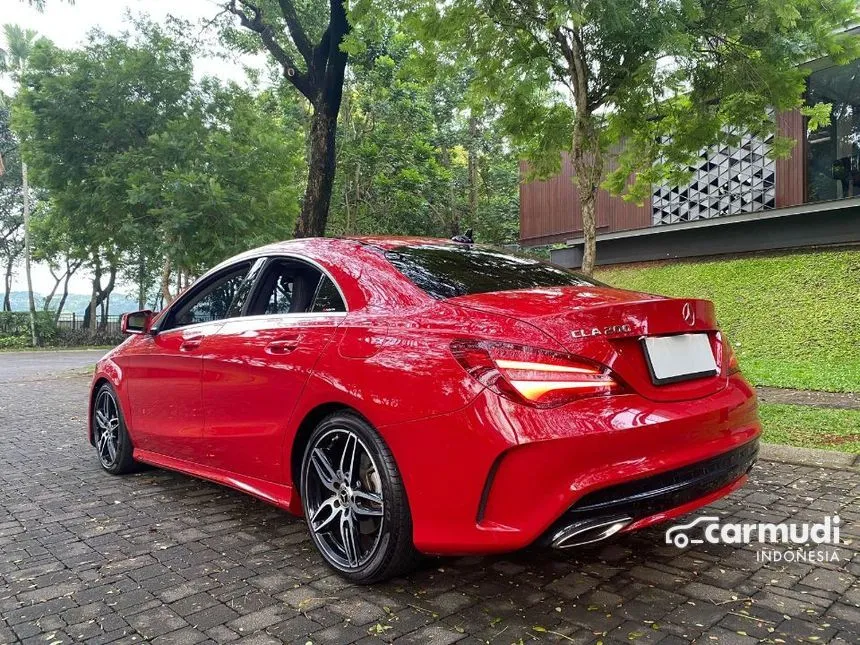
pixel 608 326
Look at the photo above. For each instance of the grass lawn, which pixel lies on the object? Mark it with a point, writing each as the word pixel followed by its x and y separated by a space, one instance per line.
pixel 807 427
pixel 793 318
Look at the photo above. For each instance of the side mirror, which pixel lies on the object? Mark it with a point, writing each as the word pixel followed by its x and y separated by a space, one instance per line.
pixel 136 322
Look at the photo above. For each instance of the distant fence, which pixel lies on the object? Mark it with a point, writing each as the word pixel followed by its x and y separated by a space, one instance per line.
pixel 68 331
pixel 110 325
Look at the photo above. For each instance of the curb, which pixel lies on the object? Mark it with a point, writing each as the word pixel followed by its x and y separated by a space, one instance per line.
pixel 812 457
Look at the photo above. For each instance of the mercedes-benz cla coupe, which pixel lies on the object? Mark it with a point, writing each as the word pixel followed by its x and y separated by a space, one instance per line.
pixel 423 396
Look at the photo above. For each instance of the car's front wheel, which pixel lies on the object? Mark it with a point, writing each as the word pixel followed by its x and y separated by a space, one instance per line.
pixel 109 433
pixel 355 502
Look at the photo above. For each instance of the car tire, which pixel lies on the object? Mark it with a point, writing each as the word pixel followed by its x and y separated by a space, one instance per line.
pixel 354 501
pixel 110 434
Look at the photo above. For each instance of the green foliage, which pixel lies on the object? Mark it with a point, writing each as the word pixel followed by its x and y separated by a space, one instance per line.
pixel 405 146
pixel 11 215
pixel 141 161
pixel 15 325
pixel 792 318
pixel 809 427
pixel 650 83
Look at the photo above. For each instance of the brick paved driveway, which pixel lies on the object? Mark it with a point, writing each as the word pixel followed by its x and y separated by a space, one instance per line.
pixel 158 556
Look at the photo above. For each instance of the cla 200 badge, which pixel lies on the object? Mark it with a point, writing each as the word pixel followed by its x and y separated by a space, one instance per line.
pixel 611 330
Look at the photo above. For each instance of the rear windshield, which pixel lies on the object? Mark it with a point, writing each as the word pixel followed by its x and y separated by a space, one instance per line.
pixel 448 271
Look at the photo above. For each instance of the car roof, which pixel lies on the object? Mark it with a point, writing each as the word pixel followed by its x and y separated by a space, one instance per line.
pixel 385 242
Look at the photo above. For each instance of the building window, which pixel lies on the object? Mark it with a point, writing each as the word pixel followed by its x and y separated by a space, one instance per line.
pixel 833 169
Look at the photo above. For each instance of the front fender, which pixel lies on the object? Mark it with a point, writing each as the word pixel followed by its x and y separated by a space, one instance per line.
pixel 108 370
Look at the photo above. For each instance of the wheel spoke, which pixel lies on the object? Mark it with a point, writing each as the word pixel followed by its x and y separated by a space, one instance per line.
pixel 324 469
pixel 364 503
pixel 101 419
pixel 348 541
pixel 346 463
pixel 111 446
pixel 333 512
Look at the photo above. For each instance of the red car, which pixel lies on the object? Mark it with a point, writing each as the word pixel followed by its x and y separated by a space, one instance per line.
pixel 424 396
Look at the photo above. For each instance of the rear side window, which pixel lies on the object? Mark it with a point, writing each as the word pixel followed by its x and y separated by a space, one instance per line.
pixel 445 271
pixel 287 287
pixel 328 297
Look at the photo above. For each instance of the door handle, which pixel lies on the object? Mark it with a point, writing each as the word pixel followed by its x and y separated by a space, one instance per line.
pixel 283 345
pixel 190 344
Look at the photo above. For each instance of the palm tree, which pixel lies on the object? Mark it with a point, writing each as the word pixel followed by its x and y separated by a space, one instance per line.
pixel 13 61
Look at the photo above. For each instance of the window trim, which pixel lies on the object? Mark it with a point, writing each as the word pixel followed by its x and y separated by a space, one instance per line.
pixel 253 260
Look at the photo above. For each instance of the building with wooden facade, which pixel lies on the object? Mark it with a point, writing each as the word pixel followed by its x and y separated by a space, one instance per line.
pixel 738 198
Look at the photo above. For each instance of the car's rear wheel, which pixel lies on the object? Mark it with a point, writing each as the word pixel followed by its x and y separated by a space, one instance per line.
pixel 109 433
pixel 355 502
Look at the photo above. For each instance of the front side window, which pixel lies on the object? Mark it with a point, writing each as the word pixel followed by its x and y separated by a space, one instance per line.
pixel 834 150
pixel 448 271
pixel 216 300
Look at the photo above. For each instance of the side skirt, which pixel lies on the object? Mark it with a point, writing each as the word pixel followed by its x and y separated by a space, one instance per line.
pixel 280 495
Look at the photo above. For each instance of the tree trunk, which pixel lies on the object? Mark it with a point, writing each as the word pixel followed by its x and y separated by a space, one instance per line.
pixel 588 170
pixel 25 192
pixel 105 313
pixel 90 313
pixel 99 296
pixel 7 293
pixel 141 282
pixel 46 305
pixel 473 168
pixel 321 169
pixel 65 295
pixel 165 283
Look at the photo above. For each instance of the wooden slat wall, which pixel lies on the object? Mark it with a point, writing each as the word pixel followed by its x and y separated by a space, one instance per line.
pixel 549 210
pixel 790 181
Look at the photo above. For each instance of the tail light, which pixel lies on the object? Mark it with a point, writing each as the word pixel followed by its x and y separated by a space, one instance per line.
pixel 533 376
pixel 730 360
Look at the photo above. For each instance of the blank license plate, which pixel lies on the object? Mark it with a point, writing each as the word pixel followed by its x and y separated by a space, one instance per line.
pixel 679 358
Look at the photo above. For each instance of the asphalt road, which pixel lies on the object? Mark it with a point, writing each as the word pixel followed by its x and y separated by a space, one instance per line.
pixel 160 557
pixel 25 366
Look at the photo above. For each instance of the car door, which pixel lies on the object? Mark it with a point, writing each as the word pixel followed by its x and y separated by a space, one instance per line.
pixel 165 370
pixel 255 367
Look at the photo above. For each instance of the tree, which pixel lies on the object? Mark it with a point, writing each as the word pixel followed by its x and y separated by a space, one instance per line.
pixel 11 218
pixel 414 158
pixel 634 86
pixel 53 245
pixel 143 163
pixel 291 31
pixel 13 61
pixel 391 178
pixel 219 179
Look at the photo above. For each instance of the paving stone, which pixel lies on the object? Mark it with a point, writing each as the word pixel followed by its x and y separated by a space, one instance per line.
pixel 161 557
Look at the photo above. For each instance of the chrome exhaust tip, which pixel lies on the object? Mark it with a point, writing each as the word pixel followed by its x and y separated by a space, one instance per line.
pixel 588 531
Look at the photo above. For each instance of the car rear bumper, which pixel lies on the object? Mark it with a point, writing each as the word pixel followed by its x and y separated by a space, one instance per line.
pixel 497 476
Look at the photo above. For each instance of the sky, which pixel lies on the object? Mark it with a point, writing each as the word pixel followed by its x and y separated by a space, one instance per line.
pixel 67 26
